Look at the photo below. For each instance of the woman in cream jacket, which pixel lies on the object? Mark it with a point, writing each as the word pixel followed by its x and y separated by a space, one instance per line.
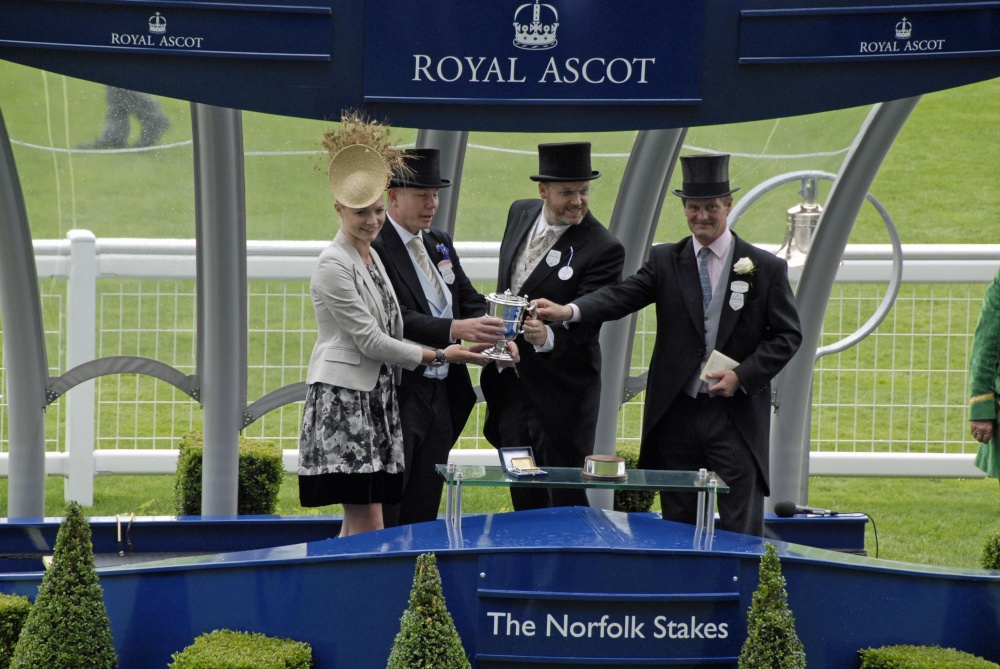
pixel 350 448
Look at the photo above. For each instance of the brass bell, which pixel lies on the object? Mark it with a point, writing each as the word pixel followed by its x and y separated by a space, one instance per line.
pixel 801 224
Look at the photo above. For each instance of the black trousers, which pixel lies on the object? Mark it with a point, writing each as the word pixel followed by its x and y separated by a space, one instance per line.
pixel 425 414
pixel 520 425
pixel 697 433
pixel 123 103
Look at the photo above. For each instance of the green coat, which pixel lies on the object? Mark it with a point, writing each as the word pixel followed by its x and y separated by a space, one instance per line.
pixel 984 375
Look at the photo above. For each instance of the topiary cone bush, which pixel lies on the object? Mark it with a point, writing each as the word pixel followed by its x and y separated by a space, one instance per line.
pixel 427 635
pixel 260 472
pixel 68 626
pixel 991 552
pixel 772 642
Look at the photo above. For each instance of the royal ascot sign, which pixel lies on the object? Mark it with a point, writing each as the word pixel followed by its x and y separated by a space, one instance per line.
pixel 534 51
pixel 841 34
pixel 206 29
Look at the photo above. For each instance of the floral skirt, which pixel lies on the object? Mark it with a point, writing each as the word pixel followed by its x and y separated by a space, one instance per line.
pixel 351 445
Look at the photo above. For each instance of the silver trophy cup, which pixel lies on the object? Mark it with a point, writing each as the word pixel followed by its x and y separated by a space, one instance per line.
pixel 511 309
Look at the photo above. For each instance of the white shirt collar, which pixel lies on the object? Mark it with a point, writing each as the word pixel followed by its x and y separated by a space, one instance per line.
pixel 404 234
pixel 541 224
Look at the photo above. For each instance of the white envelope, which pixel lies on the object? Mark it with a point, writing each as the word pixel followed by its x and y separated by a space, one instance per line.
pixel 716 363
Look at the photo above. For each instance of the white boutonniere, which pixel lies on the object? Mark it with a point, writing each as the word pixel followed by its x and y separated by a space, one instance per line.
pixel 744 266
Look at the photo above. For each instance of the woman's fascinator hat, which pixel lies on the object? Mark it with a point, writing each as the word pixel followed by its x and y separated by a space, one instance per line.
pixel 362 159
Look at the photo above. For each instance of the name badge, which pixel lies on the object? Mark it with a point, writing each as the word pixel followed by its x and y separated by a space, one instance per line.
pixel 736 301
pixel 739 286
pixel 553 257
pixel 447 273
pixel 566 273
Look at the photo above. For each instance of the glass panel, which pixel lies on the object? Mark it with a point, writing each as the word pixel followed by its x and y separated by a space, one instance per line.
pixel 83 160
pixel 571 477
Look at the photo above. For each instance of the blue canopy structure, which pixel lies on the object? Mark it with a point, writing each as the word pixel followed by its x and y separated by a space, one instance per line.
pixel 514 65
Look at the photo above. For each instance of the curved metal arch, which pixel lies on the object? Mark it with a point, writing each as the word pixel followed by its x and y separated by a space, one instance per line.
pixel 58 386
pixel 789 441
pixel 895 280
pixel 293 392
pixel 23 343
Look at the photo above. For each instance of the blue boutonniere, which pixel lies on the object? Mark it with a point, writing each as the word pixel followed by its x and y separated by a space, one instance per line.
pixel 443 250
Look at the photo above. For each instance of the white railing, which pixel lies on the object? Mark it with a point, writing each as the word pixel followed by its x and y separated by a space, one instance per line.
pixel 136 297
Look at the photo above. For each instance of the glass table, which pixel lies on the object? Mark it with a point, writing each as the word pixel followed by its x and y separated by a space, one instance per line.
pixel 704 483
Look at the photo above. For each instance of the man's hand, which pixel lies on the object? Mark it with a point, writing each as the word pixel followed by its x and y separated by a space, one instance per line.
pixel 982 430
pixel 726 382
pixel 534 331
pixel 482 330
pixel 550 311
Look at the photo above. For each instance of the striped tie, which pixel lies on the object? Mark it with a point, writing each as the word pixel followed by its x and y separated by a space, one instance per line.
pixel 706 278
pixel 425 264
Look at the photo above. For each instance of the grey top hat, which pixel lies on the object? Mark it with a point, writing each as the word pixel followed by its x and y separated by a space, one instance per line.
pixel 425 170
pixel 705 177
pixel 566 161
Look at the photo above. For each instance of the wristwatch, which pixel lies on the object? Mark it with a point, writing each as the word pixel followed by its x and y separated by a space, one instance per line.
pixel 438 358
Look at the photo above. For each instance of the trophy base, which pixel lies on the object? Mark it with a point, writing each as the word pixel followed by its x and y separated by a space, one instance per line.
pixel 499 354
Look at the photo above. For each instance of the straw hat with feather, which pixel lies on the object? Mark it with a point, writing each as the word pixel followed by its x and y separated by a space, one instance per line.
pixel 362 160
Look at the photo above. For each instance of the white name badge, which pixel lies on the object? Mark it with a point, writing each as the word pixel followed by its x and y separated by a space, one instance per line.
pixel 447 273
pixel 553 257
pixel 566 273
pixel 736 301
pixel 740 286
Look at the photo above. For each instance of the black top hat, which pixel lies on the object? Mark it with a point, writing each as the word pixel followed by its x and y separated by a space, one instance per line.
pixel 568 161
pixel 705 177
pixel 425 166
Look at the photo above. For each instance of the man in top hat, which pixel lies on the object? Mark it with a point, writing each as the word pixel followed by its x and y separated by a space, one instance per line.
pixel 553 247
pixel 713 292
pixel 440 306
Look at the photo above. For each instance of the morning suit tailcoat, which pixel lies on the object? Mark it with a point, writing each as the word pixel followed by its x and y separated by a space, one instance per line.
pixel 353 342
pixel 426 404
pixel 563 385
pixel 762 335
pixel 984 376
pixel 418 323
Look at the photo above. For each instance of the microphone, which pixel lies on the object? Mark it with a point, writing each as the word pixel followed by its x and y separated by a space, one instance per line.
pixel 788 509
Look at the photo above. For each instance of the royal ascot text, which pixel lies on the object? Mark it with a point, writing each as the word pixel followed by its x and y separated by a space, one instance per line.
pixel 481 69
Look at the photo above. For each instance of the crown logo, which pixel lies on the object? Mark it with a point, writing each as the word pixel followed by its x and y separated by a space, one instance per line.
pixel 157 24
pixel 903 29
pixel 536 35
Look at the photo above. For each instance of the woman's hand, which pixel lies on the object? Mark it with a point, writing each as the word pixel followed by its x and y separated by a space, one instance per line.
pixel 463 354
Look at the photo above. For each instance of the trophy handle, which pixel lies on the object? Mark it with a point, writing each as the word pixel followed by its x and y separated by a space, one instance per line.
pixel 527 311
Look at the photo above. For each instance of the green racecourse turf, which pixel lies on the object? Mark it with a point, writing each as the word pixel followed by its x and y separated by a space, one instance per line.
pixel 938 183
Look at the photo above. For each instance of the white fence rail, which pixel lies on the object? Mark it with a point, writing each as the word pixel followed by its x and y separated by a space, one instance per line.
pixel 105 297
